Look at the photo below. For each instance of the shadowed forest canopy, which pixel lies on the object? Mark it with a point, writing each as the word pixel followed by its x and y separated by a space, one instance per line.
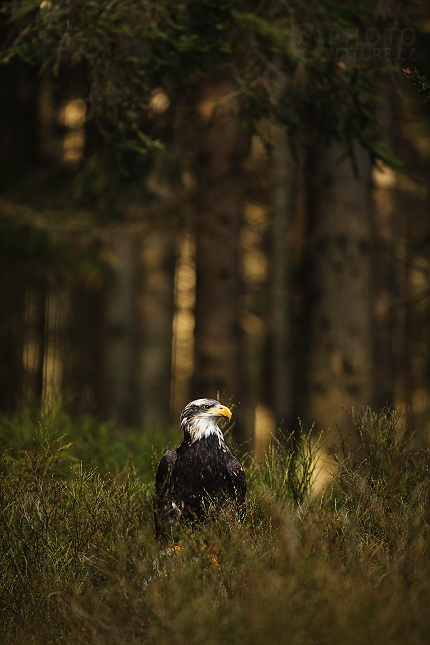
pixel 124 51
pixel 200 197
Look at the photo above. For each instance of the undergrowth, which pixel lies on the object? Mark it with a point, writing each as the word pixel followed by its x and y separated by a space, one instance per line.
pixel 79 562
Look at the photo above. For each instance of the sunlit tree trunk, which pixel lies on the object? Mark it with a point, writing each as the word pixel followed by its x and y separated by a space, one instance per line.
pixel 222 146
pixel 340 368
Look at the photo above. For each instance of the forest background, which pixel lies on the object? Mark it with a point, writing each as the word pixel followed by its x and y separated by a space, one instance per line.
pixel 202 198
pixel 215 197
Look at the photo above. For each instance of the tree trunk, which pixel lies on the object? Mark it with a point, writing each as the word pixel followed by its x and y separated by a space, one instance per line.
pixel 18 150
pixel 119 361
pixel 119 356
pixel 285 181
pixel 41 335
pixel 383 195
pixel 158 255
pixel 340 367
pixel 11 333
pixel 222 146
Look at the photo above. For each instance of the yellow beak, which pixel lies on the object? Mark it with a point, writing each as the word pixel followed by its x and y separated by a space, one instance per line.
pixel 220 411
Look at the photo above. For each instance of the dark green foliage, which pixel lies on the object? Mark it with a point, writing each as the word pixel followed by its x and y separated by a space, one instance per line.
pixel 79 563
pixel 92 444
pixel 124 49
pixel 282 55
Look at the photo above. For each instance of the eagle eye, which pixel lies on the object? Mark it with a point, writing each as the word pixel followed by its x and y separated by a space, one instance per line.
pixel 207 406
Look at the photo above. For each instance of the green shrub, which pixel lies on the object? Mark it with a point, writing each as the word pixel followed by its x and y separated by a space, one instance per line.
pixel 92 443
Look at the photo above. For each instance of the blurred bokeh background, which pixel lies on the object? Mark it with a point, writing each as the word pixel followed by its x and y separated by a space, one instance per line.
pixel 215 198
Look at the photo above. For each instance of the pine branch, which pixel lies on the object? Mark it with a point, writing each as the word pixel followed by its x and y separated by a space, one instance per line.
pixel 421 83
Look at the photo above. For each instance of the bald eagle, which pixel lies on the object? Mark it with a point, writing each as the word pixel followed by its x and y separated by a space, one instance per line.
pixel 202 470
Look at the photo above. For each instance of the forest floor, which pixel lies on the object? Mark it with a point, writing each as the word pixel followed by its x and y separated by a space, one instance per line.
pixel 80 564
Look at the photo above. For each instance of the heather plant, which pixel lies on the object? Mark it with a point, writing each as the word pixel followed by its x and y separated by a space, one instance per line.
pixel 80 564
pixel 383 485
pixel 289 466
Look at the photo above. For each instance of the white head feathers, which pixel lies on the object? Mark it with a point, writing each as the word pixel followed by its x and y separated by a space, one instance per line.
pixel 199 419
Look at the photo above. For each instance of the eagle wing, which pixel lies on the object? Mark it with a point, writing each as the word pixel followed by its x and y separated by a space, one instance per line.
pixel 162 481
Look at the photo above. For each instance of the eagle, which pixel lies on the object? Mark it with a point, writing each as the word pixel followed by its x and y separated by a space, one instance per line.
pixel 201 471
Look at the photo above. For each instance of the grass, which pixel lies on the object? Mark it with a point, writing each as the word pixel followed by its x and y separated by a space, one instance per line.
pixel 79 562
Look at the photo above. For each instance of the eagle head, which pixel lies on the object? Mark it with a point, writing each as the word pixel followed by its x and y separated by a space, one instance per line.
pixel 199 419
